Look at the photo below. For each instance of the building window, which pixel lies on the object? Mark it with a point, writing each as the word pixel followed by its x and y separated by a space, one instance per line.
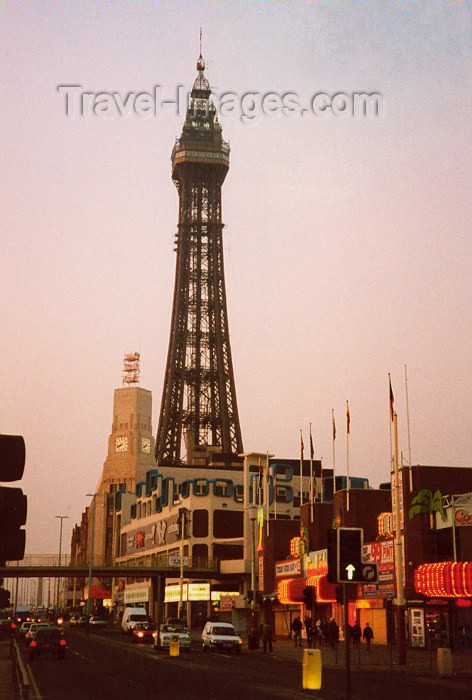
pixel 199 554
pixel 200 523
pixel 227 523
pixel 138 510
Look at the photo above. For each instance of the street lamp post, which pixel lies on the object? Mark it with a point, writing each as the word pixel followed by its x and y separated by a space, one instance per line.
pixel 61 518
pixel 252 512
pixel 87 608
pixel 182 520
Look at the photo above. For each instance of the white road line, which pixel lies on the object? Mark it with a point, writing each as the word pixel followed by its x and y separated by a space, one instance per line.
pixel 33 682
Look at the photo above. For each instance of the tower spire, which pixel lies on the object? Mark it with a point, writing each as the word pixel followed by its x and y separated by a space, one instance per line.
pixel 198 404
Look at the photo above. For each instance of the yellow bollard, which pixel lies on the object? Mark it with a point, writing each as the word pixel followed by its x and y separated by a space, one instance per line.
pixel 311 669
pixel 444 657
pixel 174 645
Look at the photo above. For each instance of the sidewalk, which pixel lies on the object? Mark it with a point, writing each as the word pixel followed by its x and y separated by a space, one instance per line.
pixel 6 672
pixel 419 661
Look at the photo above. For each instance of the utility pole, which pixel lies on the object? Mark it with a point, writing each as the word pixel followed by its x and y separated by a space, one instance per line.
pixel 61 518
pixel 400 609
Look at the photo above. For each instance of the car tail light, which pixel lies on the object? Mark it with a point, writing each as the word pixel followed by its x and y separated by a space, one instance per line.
pixel 62 643
pixel 34 644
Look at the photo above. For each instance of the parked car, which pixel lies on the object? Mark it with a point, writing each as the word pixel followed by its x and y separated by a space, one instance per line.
pixel 96 621
pixel 34 627
pixel 73 619
pixel 162 637
pixel 143 632
pixel 81 621
pixel 50 639
pixel 221 635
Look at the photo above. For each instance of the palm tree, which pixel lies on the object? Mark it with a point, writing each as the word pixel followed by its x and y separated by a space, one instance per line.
pixel 427 502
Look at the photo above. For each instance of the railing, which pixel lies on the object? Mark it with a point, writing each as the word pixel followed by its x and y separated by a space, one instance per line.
pixel 146 561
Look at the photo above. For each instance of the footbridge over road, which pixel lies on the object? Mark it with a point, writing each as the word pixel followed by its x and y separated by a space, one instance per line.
pixel 37 566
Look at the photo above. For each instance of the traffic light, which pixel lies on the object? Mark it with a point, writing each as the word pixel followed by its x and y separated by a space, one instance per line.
pixel 182 522
pixel 4 599
pixel 350 541
pixel 13 504
pixel 309 597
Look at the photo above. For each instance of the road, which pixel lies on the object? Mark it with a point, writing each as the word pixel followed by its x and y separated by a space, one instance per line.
pixel 107 665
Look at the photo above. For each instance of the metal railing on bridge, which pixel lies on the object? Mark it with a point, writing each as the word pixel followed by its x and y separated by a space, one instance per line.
pixel 150 561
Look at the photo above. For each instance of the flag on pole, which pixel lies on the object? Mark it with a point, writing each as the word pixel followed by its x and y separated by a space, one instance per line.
pixel 302 446
pixel 391 397
pixel 348 419
pixel 334 425
pixel 261 474
pixel 312 449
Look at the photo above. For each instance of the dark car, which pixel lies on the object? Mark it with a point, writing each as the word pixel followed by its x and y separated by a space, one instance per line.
pixel 48 639
pixel 143 631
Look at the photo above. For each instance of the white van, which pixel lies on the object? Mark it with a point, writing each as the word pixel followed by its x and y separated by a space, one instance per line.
pixel 131 616
pixel 221 635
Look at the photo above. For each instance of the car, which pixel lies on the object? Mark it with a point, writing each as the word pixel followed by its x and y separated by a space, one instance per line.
pixel 33 628
pixel 175 622
pixel 143 632
pixel 50 639
pixel 221 636
pixel 81 621
pixel 166 633
pixel 96 621
pixel 24 628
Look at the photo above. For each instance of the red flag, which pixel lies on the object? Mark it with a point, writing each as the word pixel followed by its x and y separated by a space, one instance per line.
pixel 348 418
pixel 391 397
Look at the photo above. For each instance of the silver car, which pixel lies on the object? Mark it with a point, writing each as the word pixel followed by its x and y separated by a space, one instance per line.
pixel 166 633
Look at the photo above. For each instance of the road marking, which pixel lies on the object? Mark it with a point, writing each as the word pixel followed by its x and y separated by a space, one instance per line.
pixel 76 653
pixel 33 682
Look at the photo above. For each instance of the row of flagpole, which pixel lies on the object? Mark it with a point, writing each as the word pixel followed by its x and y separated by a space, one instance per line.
pixel 348 432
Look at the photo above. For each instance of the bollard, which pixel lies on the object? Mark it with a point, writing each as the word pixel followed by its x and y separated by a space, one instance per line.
pixel 311 669
pixel 174 645
pixel 444 661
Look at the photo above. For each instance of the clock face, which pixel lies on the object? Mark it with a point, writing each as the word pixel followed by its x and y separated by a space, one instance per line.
pixel 146 445
pixel 121 444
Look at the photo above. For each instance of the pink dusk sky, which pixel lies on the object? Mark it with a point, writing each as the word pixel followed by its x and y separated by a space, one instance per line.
pixel 347 240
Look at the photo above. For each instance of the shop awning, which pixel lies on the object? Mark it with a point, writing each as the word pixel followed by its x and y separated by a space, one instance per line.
pixel 444 579
pixel 291 590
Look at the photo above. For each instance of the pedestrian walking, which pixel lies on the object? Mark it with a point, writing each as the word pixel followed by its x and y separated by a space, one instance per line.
pixel 267 638
pixel 368 635
pixel 297 631
pixel 356 634
pixel 333 633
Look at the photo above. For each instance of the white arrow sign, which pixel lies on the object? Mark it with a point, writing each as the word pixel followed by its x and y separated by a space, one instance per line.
pixel 350 571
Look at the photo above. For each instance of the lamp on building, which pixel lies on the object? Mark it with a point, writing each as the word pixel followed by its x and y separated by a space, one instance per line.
pixel 89 592
pixel 61 518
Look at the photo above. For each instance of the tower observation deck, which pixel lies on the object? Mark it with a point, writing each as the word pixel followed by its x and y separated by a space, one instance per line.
pixel 199 404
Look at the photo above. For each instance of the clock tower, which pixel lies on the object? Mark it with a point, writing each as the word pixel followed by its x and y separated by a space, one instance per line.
pixel 130 443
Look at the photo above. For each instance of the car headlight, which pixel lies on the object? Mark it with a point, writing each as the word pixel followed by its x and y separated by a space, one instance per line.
pixel 140 634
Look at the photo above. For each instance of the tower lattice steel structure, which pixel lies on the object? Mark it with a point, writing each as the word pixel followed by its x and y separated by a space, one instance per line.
pixel 199 395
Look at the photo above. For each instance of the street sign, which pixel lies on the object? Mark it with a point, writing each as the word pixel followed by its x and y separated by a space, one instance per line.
pixel 369 573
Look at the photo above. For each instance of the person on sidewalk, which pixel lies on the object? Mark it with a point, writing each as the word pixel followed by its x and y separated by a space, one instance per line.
pixel 267 638
pixel 333 633
pixel 368 635
pixel 356 634
pixel 297 631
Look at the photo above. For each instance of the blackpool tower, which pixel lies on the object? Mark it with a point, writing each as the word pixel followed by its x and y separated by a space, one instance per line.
pixel 198 407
